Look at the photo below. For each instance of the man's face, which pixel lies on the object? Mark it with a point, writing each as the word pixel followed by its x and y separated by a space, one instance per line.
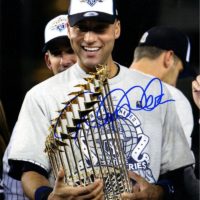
pixel 60 58
pixel 93 42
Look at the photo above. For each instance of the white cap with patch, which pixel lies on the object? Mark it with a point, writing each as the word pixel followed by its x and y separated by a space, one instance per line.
pixel 104 10
pixel 55 28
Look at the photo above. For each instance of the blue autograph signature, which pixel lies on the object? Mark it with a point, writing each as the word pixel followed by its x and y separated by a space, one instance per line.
pixel 148 101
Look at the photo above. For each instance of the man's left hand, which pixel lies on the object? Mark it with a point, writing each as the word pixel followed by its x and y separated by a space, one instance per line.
pixel 143 190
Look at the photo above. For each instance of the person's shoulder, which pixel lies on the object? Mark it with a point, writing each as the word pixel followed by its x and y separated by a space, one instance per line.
pixel 140 74
pixel 143 78
pixel 145 81
pixel 175 92
pixel 180 98
pixel 126 70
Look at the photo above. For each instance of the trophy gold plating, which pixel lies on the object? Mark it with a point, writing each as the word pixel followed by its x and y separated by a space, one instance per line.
pixel 84 139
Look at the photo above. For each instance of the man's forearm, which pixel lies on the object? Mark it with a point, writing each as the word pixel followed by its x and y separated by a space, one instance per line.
pixel 31 181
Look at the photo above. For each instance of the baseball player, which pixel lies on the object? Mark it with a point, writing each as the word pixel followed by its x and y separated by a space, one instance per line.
pixel 154 154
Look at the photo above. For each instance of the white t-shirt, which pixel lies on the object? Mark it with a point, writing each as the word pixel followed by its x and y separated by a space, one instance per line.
pixel 154 141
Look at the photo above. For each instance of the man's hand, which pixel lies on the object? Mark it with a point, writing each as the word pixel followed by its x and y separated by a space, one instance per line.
pixel 196 91
pixel 143 190
pixel 93 191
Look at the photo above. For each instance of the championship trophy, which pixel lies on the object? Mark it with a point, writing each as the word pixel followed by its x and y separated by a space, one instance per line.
pixel 84 139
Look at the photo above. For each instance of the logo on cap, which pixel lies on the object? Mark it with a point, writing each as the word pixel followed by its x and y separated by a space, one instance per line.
pixel 59 24
pixel 61 27
pixel 90 14
pixel 144 37
pixel 92 2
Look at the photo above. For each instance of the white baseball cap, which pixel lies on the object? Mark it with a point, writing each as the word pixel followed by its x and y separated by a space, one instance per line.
pixel 104 10
pixel 55 28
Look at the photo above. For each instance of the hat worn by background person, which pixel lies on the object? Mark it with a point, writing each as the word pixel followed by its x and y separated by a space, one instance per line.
pixel 92 10
pixel 168 38
pixel 56 32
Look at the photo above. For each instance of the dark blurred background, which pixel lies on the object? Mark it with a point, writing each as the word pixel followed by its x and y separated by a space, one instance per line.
pixel 22 25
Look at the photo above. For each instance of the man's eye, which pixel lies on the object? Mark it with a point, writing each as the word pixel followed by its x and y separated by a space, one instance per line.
pixel 97 29
pixel 56 52
pixel 82 28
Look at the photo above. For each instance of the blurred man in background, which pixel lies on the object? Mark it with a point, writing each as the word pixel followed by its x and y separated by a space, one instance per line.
pixel 163 52
pixel 59 55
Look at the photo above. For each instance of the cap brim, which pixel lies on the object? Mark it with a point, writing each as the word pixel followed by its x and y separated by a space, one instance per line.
pixel 56 41
pixel 99 16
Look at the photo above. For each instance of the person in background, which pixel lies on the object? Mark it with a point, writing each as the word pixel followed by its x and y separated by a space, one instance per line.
pixel 58 56
pixel 163 52
pixel 196 91
pixel 93 28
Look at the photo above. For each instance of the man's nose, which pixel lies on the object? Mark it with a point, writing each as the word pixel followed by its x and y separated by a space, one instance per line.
pixel 90 37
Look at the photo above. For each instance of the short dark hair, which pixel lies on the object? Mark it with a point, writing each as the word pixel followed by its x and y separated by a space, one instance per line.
pixel 148 52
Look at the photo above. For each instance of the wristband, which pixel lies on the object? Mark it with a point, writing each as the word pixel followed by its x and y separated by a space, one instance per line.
pixel 168 188
pixel 43 192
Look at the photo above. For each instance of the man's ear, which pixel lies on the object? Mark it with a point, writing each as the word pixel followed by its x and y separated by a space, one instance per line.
pixel 117 29
pixel 168 59
pixel 68 29
pixel 47 60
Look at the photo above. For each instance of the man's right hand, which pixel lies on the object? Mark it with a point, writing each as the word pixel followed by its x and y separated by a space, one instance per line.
pixel 93 191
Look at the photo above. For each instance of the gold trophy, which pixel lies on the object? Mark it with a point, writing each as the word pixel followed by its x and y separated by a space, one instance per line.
pixel 84 140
